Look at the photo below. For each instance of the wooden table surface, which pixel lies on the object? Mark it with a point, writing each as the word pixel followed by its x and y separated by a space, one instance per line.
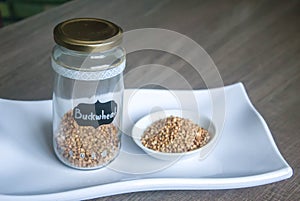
pixel 255 42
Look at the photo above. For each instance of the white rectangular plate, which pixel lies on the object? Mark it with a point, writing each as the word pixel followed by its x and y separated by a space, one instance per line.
pixel 245 156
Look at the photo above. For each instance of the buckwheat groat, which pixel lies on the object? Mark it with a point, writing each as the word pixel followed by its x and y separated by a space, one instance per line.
pixel 86 146
pixel 174 135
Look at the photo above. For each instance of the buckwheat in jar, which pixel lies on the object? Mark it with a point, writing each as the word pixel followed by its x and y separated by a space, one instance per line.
pixel 87 97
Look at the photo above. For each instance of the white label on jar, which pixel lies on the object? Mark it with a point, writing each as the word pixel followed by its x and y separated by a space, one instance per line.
pixel 86 75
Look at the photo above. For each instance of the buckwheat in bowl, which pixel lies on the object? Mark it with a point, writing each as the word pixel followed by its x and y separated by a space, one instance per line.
pixel 174 134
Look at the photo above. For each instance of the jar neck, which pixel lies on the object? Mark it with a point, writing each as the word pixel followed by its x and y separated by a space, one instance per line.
pixel 81 53
pixel 88 65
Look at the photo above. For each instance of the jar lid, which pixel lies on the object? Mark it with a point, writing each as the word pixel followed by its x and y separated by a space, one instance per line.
pixel 87 34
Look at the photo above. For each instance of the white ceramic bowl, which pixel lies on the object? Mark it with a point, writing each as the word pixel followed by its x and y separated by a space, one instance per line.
pixel 202 121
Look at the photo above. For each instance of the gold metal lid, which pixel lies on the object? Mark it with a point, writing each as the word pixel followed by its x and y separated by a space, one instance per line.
pixel 87 34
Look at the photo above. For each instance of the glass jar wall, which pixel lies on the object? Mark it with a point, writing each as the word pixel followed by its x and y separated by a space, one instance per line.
pixel 88 92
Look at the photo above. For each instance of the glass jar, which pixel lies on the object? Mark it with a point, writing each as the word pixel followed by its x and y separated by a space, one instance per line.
pixel 88 92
